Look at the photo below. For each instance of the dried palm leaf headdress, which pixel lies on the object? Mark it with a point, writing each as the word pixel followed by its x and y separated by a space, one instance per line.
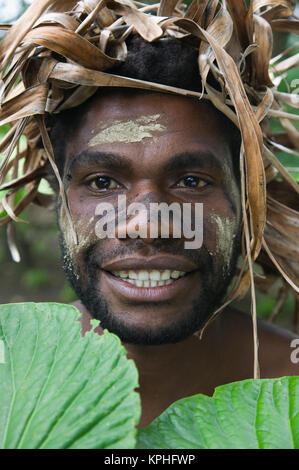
pixel 55 57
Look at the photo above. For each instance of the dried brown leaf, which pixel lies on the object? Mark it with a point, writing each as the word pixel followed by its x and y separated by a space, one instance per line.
pixel 30 196
pixel 167 7
pixel 61 19
pixel 19 30
pixel 79 96
pixel 284 173
pixel 10 213
pixel 264 106
pixel 18 182
pixel 107 18
pixel 10 78
pixel 196 10
pixel 145 25
pixel 286 64
pixel 12 243
pixel 49 150
pixel 251 136
pixel 257 4
pixel 239 13
pixel 91 17
pixel 31 101
pixel 78 75
pixel 291 99
pixel 281 239
pixel 70 45
pixel 262 55
pixel 286 26
pixel 221 29
pixel 276 12
pixel 9 147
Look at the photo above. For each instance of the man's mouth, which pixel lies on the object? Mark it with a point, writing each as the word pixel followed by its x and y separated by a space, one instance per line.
pixel 159 278
pixel 149 278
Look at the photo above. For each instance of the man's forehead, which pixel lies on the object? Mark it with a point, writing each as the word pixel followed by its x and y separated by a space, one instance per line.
pixel 146 126
pixel 127 102
pixel 128 117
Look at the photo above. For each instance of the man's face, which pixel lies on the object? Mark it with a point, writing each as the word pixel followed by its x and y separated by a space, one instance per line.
pixel 150 148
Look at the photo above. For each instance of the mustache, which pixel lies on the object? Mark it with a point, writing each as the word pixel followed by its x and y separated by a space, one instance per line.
pixel 95 257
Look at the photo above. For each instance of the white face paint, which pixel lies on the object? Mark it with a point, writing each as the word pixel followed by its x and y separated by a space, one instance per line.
pixel 127 131
pixel 85 237
pixel 225 234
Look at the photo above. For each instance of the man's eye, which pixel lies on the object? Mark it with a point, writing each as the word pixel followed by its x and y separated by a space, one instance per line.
pixel 103 183
pixel 192 182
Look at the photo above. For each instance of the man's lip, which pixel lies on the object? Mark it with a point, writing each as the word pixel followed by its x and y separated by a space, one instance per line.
pixel 161 262
pixel 178 289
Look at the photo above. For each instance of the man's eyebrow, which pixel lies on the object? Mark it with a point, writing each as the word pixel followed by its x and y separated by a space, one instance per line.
pixel 107 160
pixel 200 159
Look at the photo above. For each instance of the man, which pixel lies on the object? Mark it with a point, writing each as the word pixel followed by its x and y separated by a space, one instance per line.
pixel 188 156
pixel 153 292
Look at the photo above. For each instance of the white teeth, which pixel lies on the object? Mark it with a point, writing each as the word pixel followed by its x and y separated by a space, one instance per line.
pixel 165 275
pixel 175 274
pixel 123 274
pixel 155 275
pixel 143 275
pixel 150 278
pixel 138 283
pixel 132 275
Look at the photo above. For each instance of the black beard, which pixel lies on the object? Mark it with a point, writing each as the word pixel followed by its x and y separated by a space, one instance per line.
pixel 214 285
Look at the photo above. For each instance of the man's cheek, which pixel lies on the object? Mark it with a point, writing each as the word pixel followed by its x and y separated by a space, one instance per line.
pixel 225 233
pixel 209 234
pixel 218 238
pixel 84 228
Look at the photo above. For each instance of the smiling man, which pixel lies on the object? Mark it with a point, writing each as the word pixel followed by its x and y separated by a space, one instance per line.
pixel 151 291
pixel 181 162
pixel 150 147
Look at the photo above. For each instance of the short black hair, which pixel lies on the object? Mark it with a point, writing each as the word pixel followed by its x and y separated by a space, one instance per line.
pixel 168 61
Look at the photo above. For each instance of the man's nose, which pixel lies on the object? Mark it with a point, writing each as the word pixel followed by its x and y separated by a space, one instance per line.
pixel 143 220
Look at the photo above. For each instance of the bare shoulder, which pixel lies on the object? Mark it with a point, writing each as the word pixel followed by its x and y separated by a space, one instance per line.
pixel 278 347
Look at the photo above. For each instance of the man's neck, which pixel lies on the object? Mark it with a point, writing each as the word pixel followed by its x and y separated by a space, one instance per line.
pixel 158 360
pixel 173 371
pixel 169 372
pixel 161 360
pixel 223 355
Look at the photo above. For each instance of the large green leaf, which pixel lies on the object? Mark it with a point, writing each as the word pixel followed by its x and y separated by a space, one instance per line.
pixel 60 390
pixel 251 414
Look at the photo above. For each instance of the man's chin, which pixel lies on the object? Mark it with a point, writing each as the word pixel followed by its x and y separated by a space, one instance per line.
pixel 151 324
pixel 149 336
pixel 148 326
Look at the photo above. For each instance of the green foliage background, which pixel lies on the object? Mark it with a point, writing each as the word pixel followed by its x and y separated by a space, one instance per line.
pixel 59 390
